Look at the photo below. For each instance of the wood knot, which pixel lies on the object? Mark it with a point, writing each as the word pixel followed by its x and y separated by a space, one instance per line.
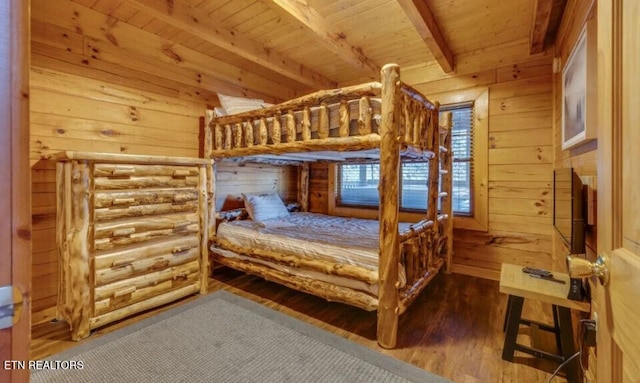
pixel 133 112
pixel 24 234
pixel 167 51
pixel 112 39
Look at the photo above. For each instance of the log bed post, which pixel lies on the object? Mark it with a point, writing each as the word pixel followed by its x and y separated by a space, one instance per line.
pixel 303 187
pixel 211 189
pixel 388 310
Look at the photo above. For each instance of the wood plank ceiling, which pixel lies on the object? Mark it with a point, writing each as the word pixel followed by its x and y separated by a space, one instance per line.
pixel 315 44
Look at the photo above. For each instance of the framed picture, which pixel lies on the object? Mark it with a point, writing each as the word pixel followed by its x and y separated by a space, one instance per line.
pixel 578 91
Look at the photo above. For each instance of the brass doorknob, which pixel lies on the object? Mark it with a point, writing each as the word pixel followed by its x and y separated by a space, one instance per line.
pixel 582 268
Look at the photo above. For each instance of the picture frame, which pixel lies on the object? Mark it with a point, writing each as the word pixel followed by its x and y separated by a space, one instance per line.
pixel 579 90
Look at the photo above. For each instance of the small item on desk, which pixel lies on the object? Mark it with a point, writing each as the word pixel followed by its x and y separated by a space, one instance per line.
pixel 540 272
pixel 548 278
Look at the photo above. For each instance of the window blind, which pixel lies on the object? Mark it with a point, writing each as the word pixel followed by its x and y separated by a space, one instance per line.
pixel 357 185
pixel 462 147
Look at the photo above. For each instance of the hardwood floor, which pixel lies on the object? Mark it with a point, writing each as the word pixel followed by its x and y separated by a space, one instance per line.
pixel 454 329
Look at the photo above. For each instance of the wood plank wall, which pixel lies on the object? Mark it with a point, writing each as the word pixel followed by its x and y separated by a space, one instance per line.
pixel 520 169
pixel 582 158
pixel 99 84
pixel 234 179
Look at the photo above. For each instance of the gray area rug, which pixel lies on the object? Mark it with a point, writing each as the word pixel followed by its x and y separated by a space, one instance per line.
pixel 225 338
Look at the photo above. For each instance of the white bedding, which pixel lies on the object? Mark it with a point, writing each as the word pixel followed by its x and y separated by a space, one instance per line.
pixel 341 240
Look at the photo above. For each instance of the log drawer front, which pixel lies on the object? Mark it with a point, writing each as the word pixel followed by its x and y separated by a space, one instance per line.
pixel 132 235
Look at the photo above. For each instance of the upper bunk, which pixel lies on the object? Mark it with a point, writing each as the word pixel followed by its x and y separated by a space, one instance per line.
pixel 345 124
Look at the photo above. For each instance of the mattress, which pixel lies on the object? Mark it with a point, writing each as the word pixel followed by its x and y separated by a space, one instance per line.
pixel 340 240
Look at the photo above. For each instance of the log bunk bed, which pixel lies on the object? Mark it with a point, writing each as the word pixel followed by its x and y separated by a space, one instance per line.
pixel 387 116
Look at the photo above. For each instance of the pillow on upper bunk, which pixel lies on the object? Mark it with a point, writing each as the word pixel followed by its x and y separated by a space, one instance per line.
pixel 262 207
pixel 234 105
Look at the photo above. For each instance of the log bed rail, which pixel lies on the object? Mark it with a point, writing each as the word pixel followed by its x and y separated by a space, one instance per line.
pixel 389 115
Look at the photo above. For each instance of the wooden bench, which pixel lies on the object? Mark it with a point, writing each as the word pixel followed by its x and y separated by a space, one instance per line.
pixel 519 286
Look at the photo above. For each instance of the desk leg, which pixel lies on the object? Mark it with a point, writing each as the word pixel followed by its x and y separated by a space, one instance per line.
pixel 556 326
pixel 572 368
pixel 514 313
pixel 506 315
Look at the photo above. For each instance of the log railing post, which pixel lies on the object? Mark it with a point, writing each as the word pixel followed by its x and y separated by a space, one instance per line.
pixel 219 137
pixel 364 120
pixel 388 309
pixel 291 126
pixel 276 133
pixel 248 133
pixel 228 137
pixel 306 124
pixel 263 131
pixel 237 138
pixel 408 120
pixel 343 130
pixel 323 121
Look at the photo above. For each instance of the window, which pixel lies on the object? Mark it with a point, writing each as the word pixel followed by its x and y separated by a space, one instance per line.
pixel 470 174
pixel 358 185
pixel 462 147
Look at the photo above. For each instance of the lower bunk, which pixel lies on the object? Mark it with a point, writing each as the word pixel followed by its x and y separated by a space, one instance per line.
pixel 335 258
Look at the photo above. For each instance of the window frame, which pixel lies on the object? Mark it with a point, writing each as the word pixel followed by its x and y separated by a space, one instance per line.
pixel 479 220
pixel 452 107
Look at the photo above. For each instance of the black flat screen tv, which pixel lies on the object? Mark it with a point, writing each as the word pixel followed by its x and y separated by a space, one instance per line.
pixel 568 214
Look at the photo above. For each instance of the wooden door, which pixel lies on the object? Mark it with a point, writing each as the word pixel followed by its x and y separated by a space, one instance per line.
pixel 618 304
pixel 15 183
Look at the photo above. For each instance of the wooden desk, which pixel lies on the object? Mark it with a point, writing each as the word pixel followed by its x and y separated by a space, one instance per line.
pixel 519 286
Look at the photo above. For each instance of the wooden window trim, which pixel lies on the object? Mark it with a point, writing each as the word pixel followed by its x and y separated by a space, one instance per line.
pixel 480 219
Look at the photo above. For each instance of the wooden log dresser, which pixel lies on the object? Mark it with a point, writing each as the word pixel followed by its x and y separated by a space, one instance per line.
pixel 132 234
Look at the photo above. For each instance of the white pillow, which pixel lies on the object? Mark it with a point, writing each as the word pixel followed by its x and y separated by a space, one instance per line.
pixel 219 112
pixel 262 207
pixel 234 105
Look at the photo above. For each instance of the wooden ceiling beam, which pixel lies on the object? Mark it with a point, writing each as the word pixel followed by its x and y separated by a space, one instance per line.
pixel 328 36
pixel 180 14
pixel 423 21
pixel 540 27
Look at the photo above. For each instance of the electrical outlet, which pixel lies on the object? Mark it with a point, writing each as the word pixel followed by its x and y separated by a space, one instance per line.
pixel 590 330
